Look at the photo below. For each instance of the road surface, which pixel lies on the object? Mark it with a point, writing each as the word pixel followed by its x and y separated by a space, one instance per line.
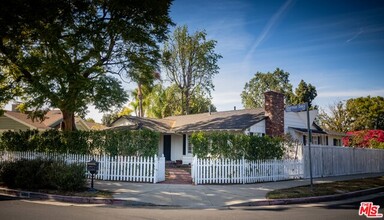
pixel 21 209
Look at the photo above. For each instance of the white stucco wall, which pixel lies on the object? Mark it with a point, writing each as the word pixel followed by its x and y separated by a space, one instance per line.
pixel 122 122
pixel 258 128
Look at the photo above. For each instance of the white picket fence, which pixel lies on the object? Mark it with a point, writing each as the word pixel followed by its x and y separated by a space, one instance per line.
pixel 226 171
pixel 337 161
pixel 119 168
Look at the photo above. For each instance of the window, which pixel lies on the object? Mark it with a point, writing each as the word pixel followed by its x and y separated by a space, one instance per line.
pixel 304 140
pixel 315 140
pixel 326 140
pixel 336 142
pixel 319 140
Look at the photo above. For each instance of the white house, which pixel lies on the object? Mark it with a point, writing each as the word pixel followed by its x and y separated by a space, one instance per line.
pixel 271 120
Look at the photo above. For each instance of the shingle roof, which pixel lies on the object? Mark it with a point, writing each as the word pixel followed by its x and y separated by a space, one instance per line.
pixel 237 120
pixel 51 120
pixel 162 125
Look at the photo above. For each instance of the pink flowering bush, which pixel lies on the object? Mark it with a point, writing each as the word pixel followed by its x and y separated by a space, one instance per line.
pixel 365 139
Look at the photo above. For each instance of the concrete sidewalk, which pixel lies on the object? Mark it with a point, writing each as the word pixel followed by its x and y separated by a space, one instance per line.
pixel 203 196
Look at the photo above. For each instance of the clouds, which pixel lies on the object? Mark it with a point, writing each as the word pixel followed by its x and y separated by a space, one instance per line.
pixel 273 21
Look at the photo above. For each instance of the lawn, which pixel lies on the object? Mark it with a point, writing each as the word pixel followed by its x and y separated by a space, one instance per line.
pixel 323 189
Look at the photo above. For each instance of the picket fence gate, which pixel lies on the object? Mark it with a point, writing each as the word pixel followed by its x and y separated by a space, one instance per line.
pixel 119 168
pixel 227 171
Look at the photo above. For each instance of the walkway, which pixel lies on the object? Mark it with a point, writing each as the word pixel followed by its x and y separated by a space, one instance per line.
pixel 177 175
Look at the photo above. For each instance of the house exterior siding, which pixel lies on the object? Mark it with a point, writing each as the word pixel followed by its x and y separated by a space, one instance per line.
pixel 10 124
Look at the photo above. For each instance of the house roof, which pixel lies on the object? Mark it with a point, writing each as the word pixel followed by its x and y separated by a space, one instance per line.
pixel 23 118
pixel 236 120
pixel 304 130
pixel 51 120
pixel 162 125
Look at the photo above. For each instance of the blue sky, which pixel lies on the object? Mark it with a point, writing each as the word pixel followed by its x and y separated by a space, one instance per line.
pixel 337 46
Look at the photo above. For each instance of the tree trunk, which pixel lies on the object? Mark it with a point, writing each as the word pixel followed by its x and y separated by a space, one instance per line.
pixel 140 97
pixel 68 123
pixel 187 97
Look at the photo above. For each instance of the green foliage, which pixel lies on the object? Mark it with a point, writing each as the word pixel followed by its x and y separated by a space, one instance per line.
pixel 336 120
pixel 43 174
pixel 235 146
pixel 190 63
pixel 366 113
pixel 253 93
pixel 60 53
pixel 164 102
pixel 112 142
pixel 304 93
pixel 363 113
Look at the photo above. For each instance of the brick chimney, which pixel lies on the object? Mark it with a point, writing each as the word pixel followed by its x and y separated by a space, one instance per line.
pixel 274 110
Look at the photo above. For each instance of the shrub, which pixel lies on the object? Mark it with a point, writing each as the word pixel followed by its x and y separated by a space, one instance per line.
pixel 235 146
pixel 43 174
pixel 121 142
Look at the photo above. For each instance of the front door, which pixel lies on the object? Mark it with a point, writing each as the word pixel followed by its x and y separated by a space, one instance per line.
pixel 167 147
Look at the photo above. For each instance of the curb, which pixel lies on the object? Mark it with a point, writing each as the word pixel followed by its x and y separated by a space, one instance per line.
pixel 122 202
pixel 268 202
pixel 72 199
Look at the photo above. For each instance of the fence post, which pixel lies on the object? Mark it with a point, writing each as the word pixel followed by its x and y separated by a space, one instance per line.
pixel 243 170
pixel 155 169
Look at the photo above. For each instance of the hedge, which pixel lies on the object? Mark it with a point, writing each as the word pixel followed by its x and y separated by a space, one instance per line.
pixel 112 142
pixel 43 174
pixel 235 146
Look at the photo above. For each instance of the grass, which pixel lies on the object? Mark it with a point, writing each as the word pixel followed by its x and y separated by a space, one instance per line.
pixel 82 193
pixel 323 189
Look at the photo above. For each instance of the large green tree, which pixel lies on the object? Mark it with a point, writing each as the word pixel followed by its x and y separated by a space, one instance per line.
pixel 190 63
pixel 253 93
pixel 366 113
pixel 64 54
pixel 167 101
pixel 304 93
pixel 336 119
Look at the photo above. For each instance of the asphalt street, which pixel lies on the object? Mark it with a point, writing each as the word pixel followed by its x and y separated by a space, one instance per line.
pixel 12 208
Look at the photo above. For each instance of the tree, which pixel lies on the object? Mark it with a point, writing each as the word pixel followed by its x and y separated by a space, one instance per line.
pixel 145 79
pixel 90 120
pixel 253 93
pixel 304 93
pixel 190 63
pixel 109 118
pixel 365 139
pixel 336 120
pixel 63 54
pixel 125 111
pixel 164 102
pixel 366 113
